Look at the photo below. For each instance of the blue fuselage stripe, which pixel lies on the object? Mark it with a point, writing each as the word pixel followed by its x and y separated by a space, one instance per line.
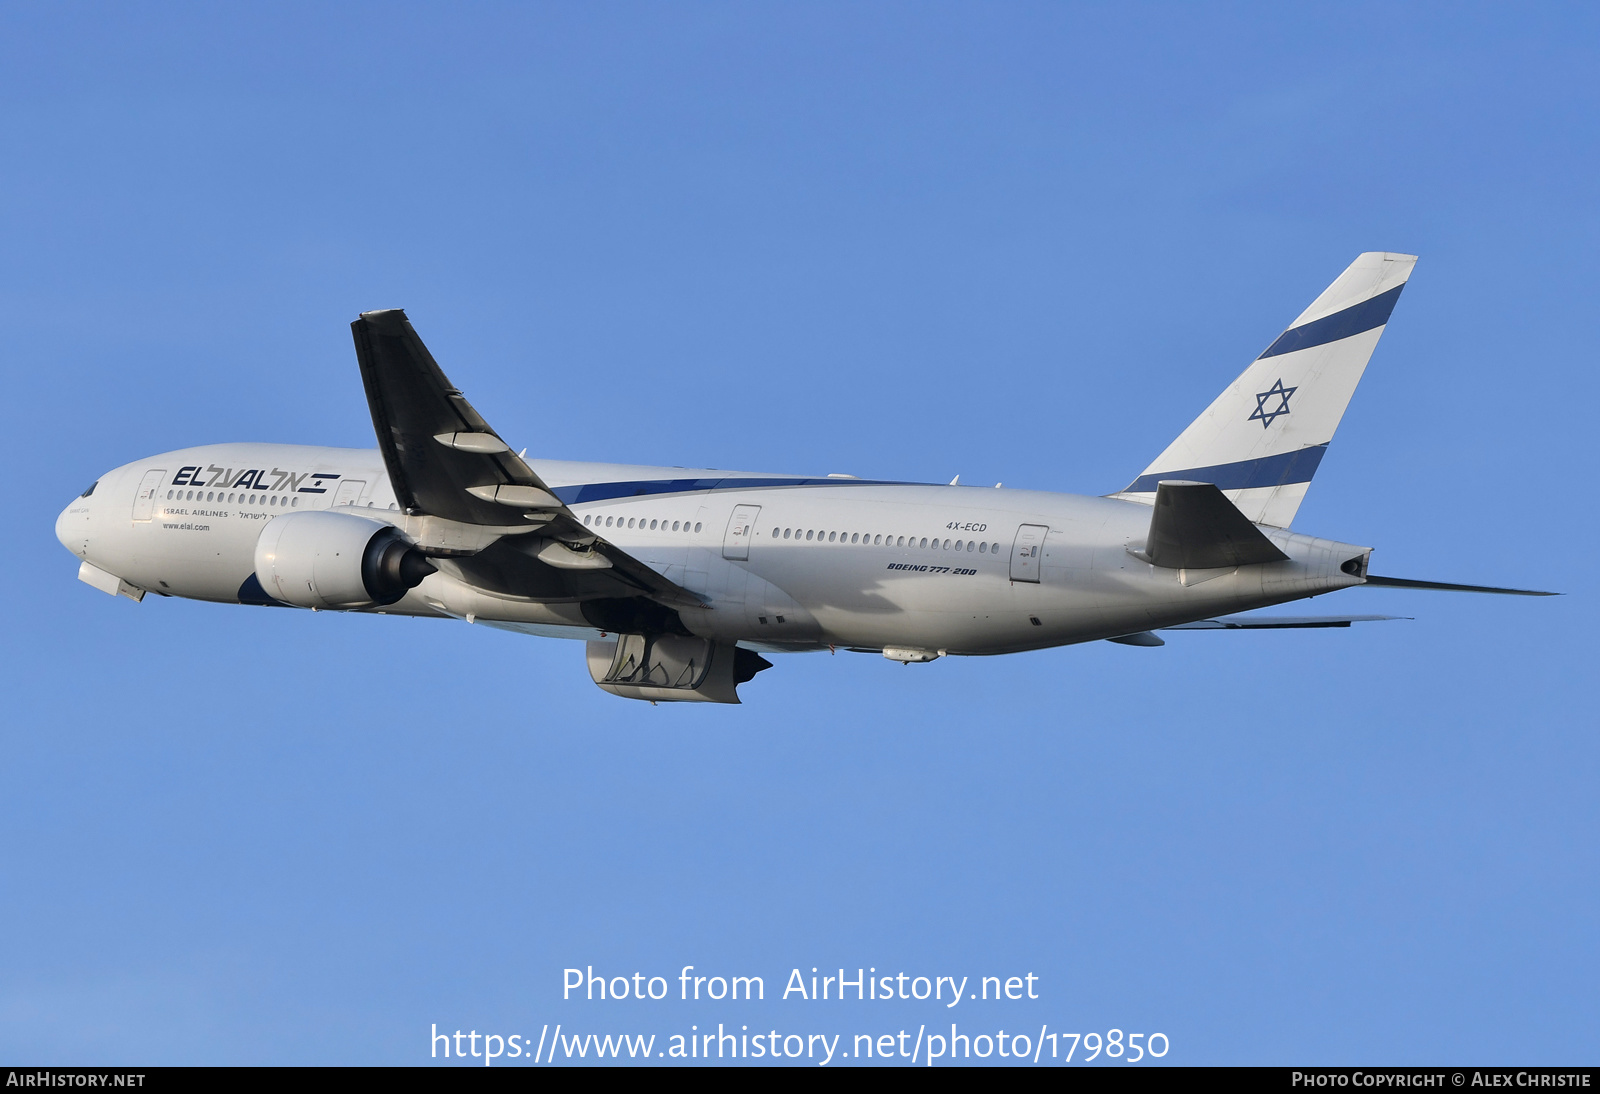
pixel 608 491
pixel 1341 324
pixel 1279 470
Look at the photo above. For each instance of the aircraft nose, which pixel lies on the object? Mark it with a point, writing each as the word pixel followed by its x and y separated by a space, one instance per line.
pixel 64 527
pixel 72 525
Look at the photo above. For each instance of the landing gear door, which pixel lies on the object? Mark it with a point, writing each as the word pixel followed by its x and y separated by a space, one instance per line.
pixel 144 502
pixel 1026 552
pixel 741 527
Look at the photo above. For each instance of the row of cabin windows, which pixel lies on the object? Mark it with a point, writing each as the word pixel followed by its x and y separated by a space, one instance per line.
pixel 290 502
pixel 807 534
pixel 650 525
pixel 218 495
pixel 886 541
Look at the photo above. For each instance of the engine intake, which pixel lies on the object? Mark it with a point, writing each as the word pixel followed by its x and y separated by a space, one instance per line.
pixel 337 560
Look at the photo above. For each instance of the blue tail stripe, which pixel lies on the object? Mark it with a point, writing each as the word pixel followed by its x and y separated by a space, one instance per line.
pixel 1279 470
pixel 1341 324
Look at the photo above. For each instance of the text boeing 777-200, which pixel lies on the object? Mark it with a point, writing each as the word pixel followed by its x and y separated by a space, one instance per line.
pixel 680 581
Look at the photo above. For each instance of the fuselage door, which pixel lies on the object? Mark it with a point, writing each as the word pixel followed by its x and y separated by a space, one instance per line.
pixel 349 492
pixel 144 502
pixel 1025 552
pixel 741 527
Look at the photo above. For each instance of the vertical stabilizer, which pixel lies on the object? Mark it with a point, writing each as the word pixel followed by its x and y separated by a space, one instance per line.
pixel 1262 439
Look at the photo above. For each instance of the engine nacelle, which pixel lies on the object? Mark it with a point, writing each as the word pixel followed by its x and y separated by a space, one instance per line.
pixel 321 559
pixel 672 668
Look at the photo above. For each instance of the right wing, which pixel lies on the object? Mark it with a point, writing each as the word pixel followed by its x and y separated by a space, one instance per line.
pixel 444 460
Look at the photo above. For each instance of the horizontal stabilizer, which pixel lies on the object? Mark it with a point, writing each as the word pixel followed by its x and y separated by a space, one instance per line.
pixel 1277 622
pixel 1196 527
pixel 1441 586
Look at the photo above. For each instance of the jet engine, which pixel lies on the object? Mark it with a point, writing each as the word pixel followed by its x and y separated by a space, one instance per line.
pixel 668 668
pixel 337 560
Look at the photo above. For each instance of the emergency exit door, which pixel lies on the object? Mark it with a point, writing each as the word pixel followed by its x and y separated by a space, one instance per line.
pixel 1026 552
pixel 741 527
pixel 349 492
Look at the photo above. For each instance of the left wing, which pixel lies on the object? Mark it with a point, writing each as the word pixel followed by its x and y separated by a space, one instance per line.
pixel 1443 586
pixel 1277 622
pixel 444 460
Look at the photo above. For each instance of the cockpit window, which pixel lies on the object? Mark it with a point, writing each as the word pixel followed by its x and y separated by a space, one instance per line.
pixel 89 491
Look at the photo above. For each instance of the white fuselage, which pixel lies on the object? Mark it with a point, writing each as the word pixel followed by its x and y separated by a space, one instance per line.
pixel 828 561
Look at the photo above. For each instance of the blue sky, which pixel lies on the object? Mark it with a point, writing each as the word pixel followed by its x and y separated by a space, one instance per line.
pixel 1016 242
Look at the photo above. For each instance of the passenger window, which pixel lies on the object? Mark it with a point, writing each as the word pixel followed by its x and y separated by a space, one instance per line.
pixel 982 548
pixel 808 535
pixel 774 533
pixel 169 495
pixel 854 538
pixel 586 522
pixel 294 503
pixel 924 542
pixel 832 536
pixel 697 526
pixel 958 545
pixel 970 546
pixel 608 522
pixel 995 547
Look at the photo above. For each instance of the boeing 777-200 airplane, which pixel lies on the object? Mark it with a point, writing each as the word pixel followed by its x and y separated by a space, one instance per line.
pixel 681 580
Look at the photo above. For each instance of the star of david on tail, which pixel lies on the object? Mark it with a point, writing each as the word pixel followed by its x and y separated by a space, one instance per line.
pixel 1265 416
